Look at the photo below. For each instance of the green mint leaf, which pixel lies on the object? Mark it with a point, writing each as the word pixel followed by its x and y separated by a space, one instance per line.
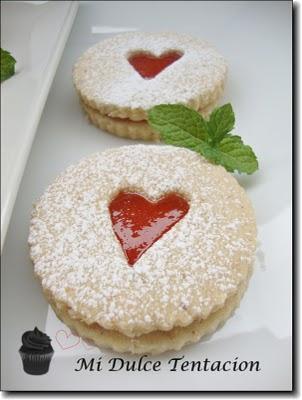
pixel 178 122
pixel 183 127
pixel 222 121
pixel 233 154
pixel 7 65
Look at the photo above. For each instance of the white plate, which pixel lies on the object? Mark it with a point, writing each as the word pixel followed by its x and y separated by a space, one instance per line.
pixel 35 33
pixel 256 39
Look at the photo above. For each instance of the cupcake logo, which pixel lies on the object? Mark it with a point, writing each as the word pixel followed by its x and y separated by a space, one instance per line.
pixel 36 352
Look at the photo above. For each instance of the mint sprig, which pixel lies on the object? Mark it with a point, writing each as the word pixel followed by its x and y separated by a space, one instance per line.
pixel 222 121
pixel 183 127
pixel 7 65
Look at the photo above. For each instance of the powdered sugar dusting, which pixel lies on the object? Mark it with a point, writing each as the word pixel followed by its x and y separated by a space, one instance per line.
pixel 185 275
pixel 104 76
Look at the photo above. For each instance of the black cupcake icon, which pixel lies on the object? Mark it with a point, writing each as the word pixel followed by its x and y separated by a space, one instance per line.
pixel 36 352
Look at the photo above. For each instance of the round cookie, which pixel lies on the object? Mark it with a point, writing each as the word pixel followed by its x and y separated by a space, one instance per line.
pixel 109 84
pixel 198 267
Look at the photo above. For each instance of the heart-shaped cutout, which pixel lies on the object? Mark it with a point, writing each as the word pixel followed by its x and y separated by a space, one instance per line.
pixel 138 222
pixel 148 65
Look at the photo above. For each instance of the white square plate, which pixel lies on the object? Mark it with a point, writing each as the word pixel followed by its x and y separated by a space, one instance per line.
pixel 255 37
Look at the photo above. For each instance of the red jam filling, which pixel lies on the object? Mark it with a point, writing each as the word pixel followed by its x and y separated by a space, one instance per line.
pixel 148 66
pixel 138 222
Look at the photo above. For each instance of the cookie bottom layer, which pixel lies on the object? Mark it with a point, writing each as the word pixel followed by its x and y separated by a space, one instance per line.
pixel 127 128
pixel 154 342
pixel 121 127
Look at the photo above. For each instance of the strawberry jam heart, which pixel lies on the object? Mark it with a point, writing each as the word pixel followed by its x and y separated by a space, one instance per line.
pixel 138 222
pixel 148 65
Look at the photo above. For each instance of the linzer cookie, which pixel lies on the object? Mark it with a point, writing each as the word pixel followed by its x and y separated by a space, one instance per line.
pixel 143 249
pixel 122 77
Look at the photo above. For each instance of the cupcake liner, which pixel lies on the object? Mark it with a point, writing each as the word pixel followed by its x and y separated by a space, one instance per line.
pixel 36 364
